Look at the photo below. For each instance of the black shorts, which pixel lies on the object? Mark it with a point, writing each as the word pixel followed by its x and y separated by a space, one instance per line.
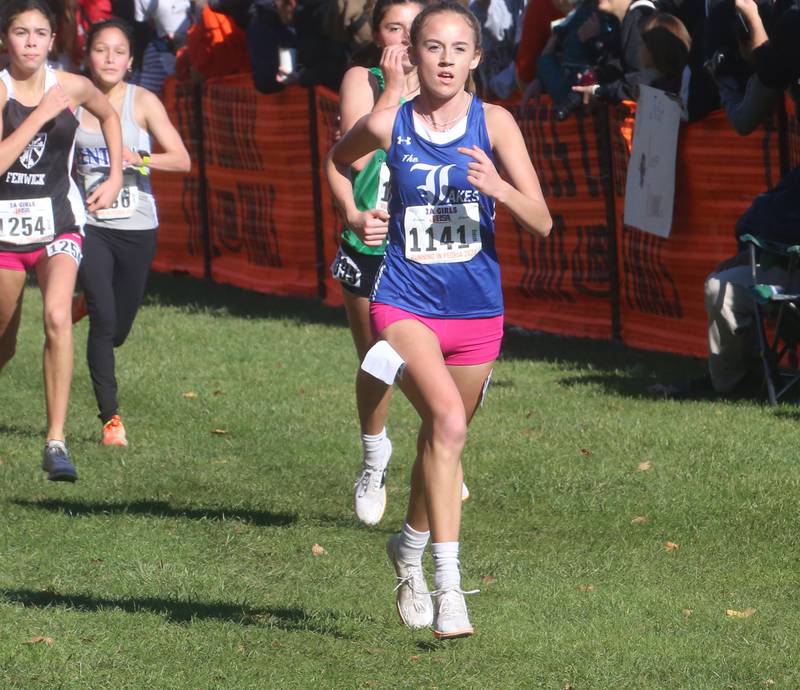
pixel 356 271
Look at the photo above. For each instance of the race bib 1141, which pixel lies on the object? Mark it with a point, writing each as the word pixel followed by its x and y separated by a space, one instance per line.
pixel 442 234
pixel 26 221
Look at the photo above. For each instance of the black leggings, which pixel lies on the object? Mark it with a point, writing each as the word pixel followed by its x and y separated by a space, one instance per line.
pixel 113 275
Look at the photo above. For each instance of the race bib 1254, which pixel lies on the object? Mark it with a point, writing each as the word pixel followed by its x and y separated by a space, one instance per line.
pixel 26 221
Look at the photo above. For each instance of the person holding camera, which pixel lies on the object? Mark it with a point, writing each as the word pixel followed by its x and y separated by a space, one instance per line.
pixel 734 32
pixel 622 70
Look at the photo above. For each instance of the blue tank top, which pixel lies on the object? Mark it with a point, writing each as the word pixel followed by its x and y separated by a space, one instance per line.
pixel 441 260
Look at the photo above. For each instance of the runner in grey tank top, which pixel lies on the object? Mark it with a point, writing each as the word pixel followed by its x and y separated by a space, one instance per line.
pixel 120 240
pixel 135 207
pixel 41 214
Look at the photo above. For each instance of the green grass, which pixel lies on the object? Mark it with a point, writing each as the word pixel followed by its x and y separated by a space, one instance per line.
pixel 185 560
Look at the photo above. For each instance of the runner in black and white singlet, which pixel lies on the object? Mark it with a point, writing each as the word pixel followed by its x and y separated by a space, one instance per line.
pixel 437 301
pixel 363 91
pixel 120 240
pixel 41 215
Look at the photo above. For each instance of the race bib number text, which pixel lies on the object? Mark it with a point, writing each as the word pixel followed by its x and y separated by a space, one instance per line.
pixel 66 245
pixel 125 203
pixel 123 207
pixel 345 270
pixel 26 221
pixel 442 234
pixel 384 188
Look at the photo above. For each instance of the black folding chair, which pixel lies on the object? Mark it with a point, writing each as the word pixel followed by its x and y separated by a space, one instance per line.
pixel 774 304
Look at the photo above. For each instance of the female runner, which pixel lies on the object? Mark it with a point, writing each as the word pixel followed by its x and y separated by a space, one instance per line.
pixel 120 240
pixel 41 213
pixel 437 299
pixel 363 91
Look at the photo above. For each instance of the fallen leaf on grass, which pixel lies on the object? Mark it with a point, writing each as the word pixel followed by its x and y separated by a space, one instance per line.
pixel 687 612
pixel 219 432
pixel 644 466
pixel 216 394
pixel 415 657
pixel 95 561
pixel 39 639
pixel 241 649
pixel 586 588
pixel 639 520
pixel 569 686
pixel 276 645
pixel 317 550
pixel 189 394
pixel 585 452
pixel 671 546
pixel 731 613
pixel 488 579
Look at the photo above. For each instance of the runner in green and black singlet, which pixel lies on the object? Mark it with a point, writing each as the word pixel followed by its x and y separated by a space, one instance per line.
pixel 364 91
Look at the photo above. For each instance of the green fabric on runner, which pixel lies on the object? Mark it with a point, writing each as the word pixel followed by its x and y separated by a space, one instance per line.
pixel 365 188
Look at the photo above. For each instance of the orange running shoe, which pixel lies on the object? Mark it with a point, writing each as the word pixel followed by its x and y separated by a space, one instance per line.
pixel 79 308
pixel 114 432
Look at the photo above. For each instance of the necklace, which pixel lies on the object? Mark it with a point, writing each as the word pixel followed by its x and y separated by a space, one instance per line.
pixel 442 126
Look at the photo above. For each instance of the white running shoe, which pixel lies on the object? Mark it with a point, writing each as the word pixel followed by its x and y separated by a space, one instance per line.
pixel 414 605
pixel 370 498
pixel 464 492
pixel 450 617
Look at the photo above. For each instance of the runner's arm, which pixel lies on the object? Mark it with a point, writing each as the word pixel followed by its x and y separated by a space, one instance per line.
pixel 53 102
pixel 86 94
pixel 370 133
pixel 523 195
pixel 175 157
pixel 357 97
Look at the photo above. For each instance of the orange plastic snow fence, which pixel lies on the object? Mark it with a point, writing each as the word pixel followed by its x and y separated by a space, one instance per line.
pixel 260 190
pixel 273 226
pixel 561 284
pixel 180 236
pixel 661 280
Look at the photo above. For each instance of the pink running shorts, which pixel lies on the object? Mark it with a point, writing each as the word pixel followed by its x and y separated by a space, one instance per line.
pixel 464 342
pixel 24 261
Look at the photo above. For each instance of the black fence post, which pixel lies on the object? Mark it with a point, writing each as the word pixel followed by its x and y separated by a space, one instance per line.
pixel 202 181
pixel 608 182
pixel 316 186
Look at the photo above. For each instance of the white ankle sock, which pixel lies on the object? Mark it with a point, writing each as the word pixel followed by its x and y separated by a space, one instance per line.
pixel 412 544
pixel 445 560
pixel 375 450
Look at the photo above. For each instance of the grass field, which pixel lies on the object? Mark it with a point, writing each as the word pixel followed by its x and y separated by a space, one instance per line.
pixel 609 533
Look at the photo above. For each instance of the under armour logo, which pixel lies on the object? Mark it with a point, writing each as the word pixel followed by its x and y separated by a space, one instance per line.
pixel 403 140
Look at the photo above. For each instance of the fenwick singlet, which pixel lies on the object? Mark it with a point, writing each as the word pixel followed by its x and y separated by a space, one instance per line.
pixel 135 206
pixel 441 260
pixel 38 199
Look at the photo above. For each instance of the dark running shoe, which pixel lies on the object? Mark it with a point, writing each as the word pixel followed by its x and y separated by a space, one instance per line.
pixel 56 462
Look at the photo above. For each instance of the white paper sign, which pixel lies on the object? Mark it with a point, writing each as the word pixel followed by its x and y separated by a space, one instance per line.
pixel 650 186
